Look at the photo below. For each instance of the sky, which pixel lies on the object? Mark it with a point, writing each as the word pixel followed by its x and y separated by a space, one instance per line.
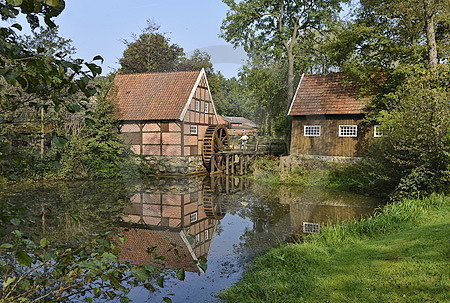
pixel 96 27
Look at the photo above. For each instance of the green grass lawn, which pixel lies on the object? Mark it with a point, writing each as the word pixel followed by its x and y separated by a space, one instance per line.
pixel 400 255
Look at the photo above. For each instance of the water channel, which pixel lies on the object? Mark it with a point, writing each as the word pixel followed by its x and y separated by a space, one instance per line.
pixel 212 227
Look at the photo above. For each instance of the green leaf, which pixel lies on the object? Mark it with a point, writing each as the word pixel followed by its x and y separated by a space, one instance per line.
pixel 17 25
pixel 60 141
pixel 100 58
pixel 160 281
pixel 74 107
pixel 181 275
pixel 15 2
pixel 52 3
pixel 8 282
pixel 15 221
pixel 167 299
pixel 23 258
pixel 109 257
pixel 44 242
pixel 124 300
pixel 6 246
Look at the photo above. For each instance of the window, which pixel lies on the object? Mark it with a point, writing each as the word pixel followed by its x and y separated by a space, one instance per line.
pixel 311 228
pixel 194 129
pixel 197 238
pixel 206 234
pixel 377 131
pixel 197 105
pixel 311 131
pixel 193 217
pixel 348 131
pixel 206 107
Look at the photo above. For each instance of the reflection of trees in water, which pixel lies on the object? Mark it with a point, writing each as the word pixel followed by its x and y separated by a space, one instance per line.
pixel 64 209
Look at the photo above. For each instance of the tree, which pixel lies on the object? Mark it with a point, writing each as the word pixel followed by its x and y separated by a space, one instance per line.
pixel 198 60
pixel 150 52
pixel 276 27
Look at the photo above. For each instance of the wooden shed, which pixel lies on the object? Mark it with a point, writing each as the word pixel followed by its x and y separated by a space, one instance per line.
pixel 327 118
pixel 165 117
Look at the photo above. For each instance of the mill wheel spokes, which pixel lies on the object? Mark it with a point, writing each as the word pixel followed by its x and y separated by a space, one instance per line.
pixel 216 139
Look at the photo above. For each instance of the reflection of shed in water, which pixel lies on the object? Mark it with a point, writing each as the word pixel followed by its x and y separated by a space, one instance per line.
pixel 314 206
pixel 179 223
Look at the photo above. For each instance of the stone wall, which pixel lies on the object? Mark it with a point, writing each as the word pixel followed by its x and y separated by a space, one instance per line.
pixel 292 162
pixel 175 165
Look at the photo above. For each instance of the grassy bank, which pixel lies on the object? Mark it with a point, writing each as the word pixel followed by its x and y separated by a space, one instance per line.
pixel 398 255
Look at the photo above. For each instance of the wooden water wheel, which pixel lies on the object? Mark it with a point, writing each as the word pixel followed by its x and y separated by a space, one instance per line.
pixel 216 139
pixel 212 209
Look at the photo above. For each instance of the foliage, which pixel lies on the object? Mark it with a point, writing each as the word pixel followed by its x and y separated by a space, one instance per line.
pixel 275 28
pixel 62 249
pixel 265 87
pixel 45 77
pixel 405 242
pixel 416 144
pixel 150 52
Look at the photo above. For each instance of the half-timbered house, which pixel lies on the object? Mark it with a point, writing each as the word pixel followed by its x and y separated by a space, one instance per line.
pixel 164 117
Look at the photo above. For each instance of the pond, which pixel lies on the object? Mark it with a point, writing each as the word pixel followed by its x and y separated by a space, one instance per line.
pixel 211 227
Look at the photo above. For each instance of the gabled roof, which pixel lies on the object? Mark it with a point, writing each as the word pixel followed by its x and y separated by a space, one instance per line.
pixel 154 96
pixel 240 120
pixel 173 246
pixel 325 94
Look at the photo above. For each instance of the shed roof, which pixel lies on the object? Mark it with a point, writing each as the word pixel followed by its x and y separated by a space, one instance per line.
pixel 240 120
pixel 325 94
pixel 154 96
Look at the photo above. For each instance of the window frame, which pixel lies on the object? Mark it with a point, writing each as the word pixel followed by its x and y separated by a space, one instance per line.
pixel 193 217
pixel 311 128
pixel 376 131
pixel 197 105
pixel 193 129
pixel 206 234
pixel 346 134
pixel 206 108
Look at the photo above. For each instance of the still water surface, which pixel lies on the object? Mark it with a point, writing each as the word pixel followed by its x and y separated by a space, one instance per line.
pixel 210 227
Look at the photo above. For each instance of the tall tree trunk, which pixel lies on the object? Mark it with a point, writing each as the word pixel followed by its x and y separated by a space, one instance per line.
pixel 431 38
pixel 42 133
pixel 290 82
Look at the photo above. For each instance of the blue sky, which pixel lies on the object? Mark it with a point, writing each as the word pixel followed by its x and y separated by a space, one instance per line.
pixel 98 26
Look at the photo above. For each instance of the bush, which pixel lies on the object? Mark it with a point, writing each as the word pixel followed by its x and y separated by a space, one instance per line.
pixel 415 148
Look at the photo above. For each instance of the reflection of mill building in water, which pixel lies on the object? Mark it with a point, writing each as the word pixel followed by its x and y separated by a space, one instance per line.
pixel 176 221
pixel 314 207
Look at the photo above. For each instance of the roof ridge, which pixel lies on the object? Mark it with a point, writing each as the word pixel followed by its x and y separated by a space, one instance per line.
pixel 153 73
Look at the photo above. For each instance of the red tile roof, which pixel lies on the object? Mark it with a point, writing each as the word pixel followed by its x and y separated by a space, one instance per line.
pixel 168 244
pixel 325 94
pixel 153 96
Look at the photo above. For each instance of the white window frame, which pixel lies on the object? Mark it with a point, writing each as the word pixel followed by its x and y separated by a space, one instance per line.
pixel 312 130
pixel 348 131
pixel 376 131
pixel 206 108
pixel 206 234
pixel 311 228
pixel 197 105
pixel 197 238
pixel 193 129
pixel 193 217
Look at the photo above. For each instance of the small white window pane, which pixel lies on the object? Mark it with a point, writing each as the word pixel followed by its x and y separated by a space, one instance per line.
pixel 193 217
pixel 311 131
pixel 206 107
pixel 197 238
pixel 311 228
pixel 348 131
pixel 377 131
pixel 194 130
pixel 206 234
pixel 197 105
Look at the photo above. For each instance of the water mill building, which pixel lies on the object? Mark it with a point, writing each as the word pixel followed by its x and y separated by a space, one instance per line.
pixel 169 119
pixel 327 119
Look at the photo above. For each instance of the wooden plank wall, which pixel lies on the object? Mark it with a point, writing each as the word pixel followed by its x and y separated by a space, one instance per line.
pixel 329 143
